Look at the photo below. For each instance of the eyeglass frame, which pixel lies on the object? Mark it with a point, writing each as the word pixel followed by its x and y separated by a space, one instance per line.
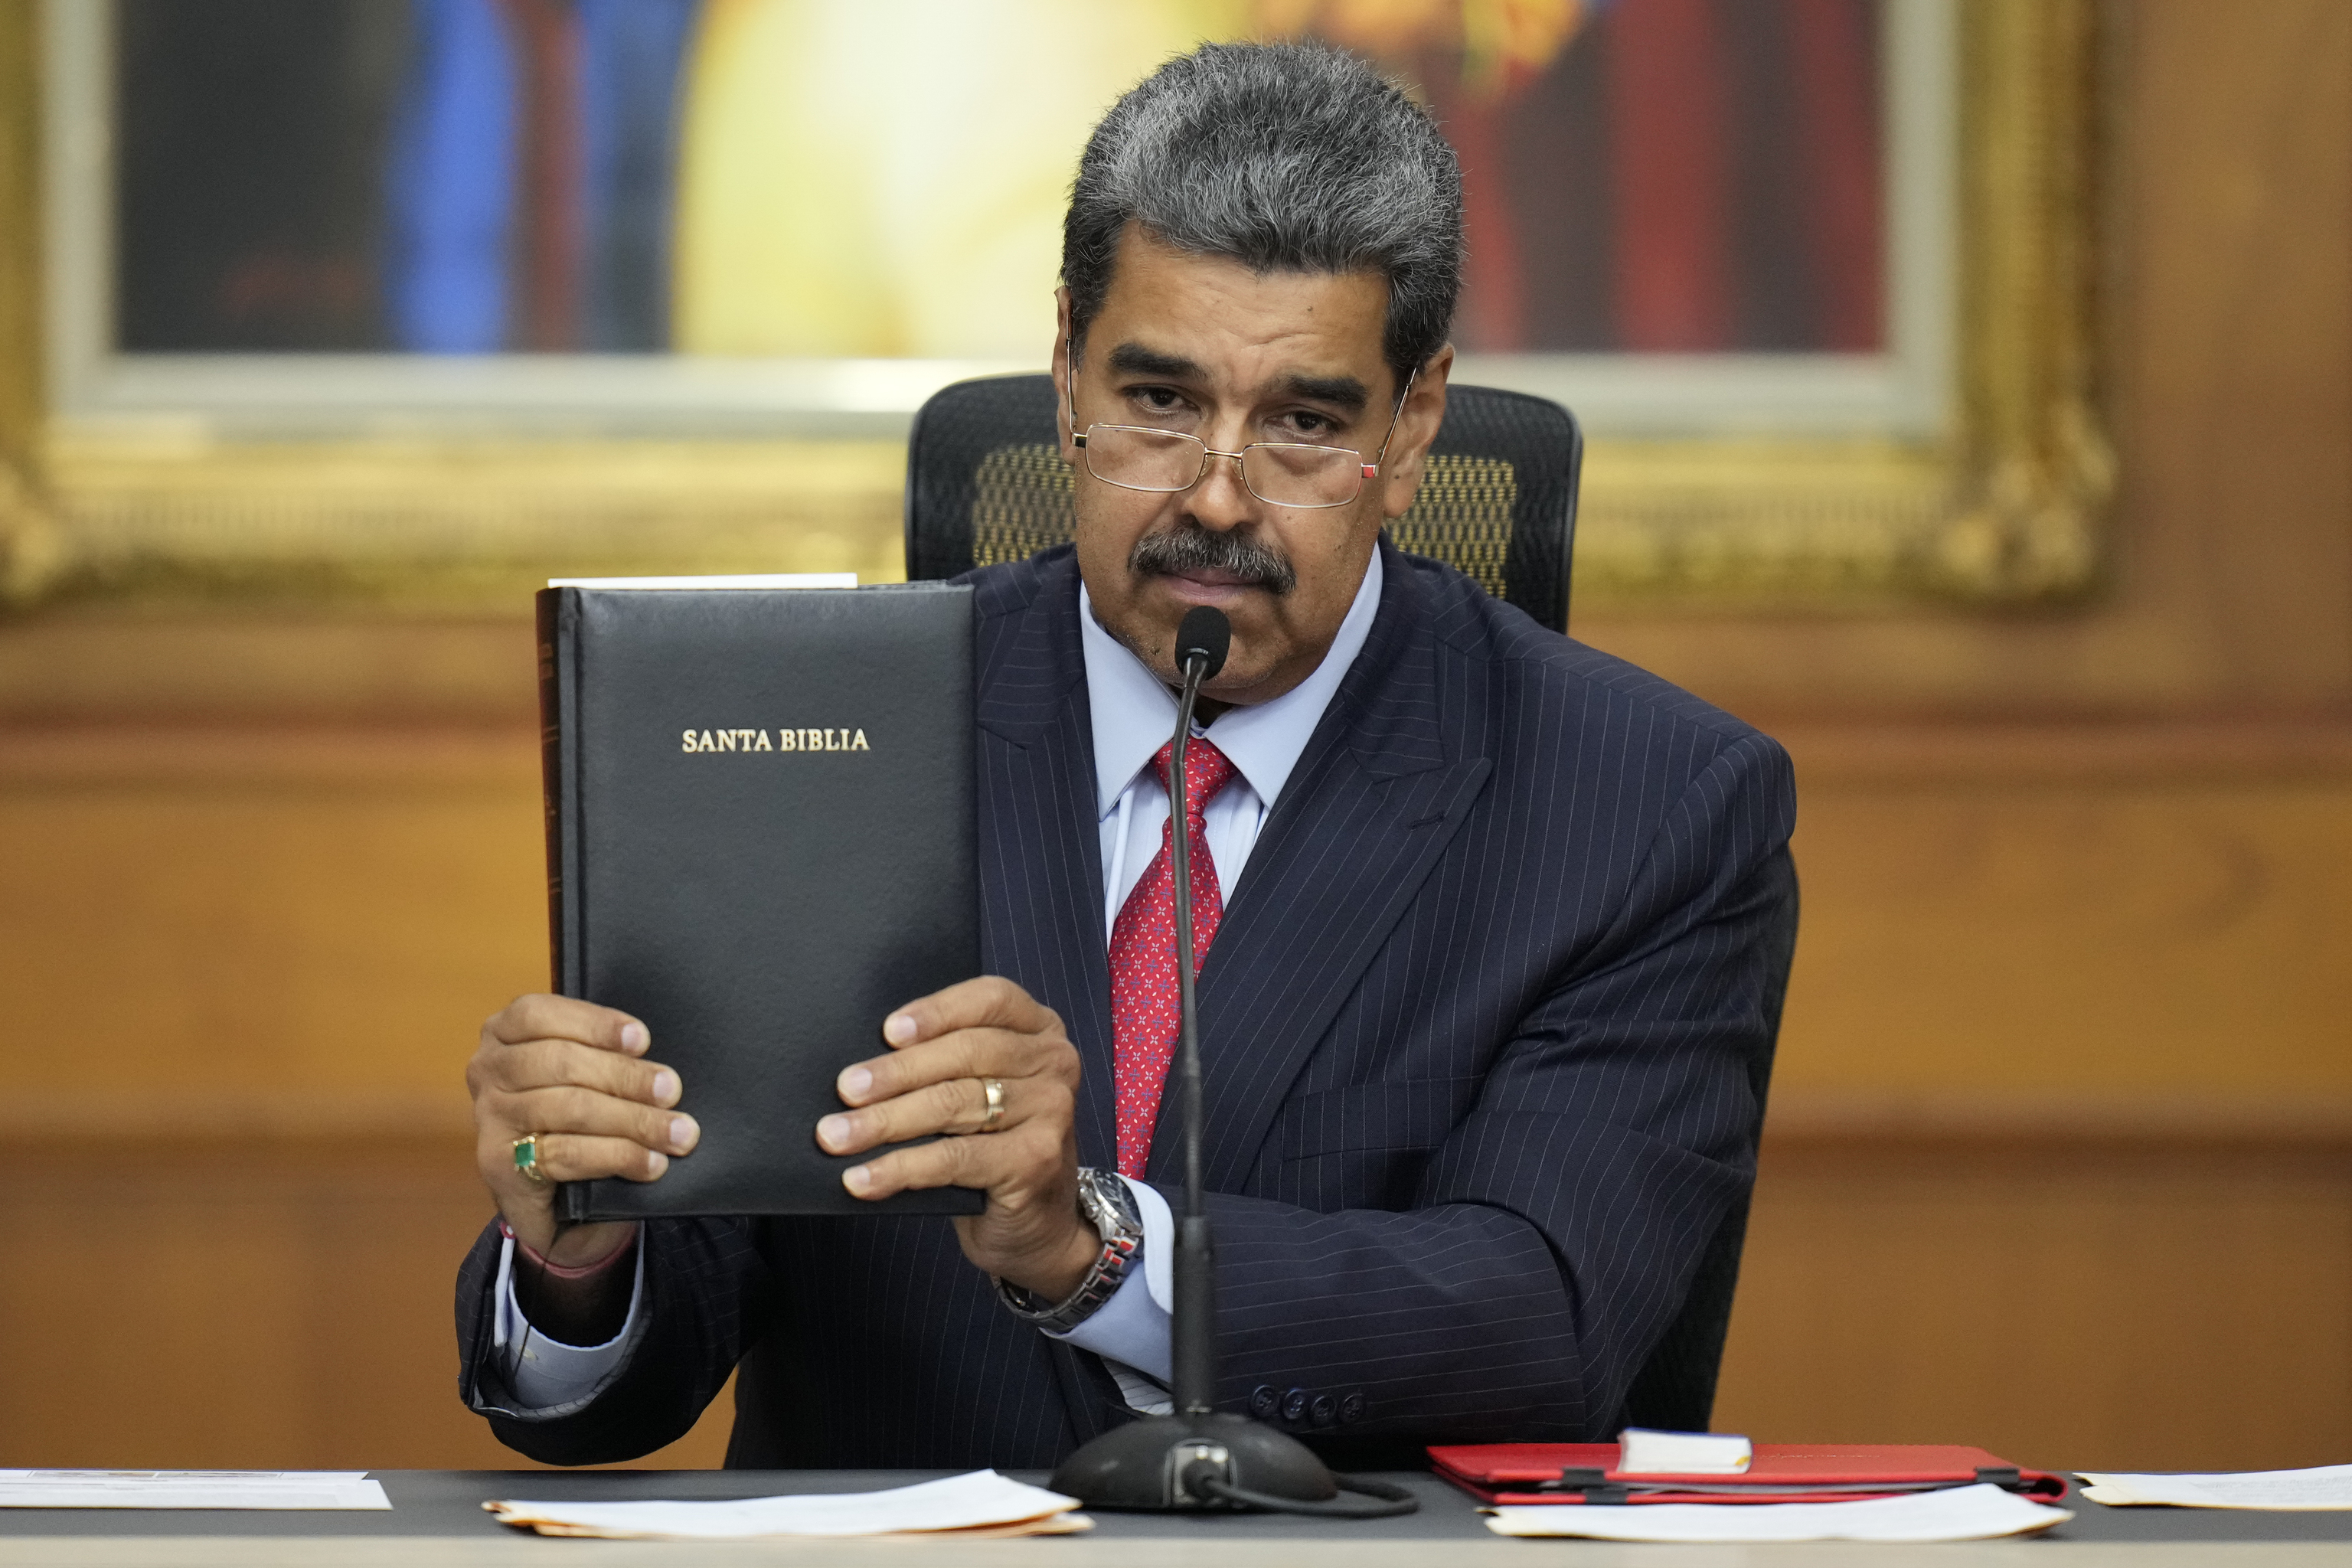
pixel 1370 470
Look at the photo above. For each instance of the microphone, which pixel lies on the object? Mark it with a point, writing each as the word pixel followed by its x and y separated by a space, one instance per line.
pixel 1200 1459
pixel 1207 636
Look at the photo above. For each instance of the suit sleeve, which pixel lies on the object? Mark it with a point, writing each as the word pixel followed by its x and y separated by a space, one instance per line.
pixel 1555 1232
pixel 701 1283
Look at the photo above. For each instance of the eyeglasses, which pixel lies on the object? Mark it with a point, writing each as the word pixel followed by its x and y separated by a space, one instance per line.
pixel 1279 473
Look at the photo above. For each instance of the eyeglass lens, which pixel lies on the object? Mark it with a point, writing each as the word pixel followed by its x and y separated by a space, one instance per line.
pixel 1277 473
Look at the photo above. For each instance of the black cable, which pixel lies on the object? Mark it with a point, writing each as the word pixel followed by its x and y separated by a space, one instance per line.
pixel 1389 1501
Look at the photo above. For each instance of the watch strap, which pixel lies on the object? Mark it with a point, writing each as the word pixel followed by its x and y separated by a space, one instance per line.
pixel 1106 1204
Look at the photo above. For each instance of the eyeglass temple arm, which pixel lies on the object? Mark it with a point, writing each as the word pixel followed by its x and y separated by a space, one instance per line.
pixel 1372 468
pixel 1070 387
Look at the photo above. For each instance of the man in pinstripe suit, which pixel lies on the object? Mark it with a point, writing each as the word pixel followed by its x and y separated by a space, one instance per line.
pixel 1492 929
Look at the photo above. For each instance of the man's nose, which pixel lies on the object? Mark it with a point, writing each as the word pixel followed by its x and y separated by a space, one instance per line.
pixel 1221 501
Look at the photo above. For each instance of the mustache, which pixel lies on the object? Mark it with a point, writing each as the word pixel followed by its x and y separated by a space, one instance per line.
pixel 1189 547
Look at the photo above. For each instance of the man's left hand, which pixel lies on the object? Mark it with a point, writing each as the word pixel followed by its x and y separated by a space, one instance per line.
pixel 944 1050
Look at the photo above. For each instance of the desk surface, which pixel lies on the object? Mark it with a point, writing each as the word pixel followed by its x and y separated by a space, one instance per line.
pixel 437 1518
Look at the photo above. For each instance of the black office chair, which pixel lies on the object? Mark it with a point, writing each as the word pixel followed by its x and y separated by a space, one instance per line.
pixel 986 483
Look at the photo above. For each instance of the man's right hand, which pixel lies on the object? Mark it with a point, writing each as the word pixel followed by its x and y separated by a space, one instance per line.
pixel 573 1073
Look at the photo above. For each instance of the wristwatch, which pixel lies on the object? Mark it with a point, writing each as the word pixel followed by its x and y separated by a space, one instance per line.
pixel 1104 1203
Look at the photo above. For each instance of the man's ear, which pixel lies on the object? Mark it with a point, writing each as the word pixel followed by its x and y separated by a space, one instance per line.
pixel 1416 428
pixel 1062 377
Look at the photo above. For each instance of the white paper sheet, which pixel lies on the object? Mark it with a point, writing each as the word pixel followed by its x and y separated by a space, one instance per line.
pixel 191 1488
pixel 705 584
pixel 1961 1513
pixel 980 1500
pixel 2324 1487
pixel 1643 1451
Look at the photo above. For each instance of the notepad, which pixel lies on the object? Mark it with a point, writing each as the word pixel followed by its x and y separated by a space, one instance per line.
pixel 2322 1487
pixel 1977 1512
pixel 980 1503
pixel 320 1489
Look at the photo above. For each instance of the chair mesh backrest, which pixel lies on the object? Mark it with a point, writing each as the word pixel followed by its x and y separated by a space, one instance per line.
pixel 986 483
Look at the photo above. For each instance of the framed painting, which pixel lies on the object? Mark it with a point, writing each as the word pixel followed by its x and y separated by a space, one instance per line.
pixel 424 298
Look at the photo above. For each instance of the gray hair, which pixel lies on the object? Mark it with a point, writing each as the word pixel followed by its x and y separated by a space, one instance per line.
pixel 1284 157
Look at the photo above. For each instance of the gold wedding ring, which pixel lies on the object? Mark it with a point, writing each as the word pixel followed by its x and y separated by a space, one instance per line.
pixel 995 1089
pixel 526 1158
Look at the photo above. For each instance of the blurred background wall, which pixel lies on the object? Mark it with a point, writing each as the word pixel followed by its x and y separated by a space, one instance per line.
pixel 2060 1158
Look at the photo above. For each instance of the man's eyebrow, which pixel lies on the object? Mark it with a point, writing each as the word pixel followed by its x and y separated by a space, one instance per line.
pixel 1342 391
pixel 1134 359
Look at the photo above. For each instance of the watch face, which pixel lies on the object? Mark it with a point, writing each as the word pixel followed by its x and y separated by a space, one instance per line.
pixel 1107 1203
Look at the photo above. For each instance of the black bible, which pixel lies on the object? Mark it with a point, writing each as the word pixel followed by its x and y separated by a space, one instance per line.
pixel 760 838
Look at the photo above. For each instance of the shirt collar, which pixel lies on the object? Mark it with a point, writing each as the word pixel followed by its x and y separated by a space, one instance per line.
pixel 1133 712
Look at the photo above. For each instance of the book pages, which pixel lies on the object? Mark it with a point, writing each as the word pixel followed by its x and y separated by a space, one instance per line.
pixel 1958 1513
pixel 1643 1451
pixel 2322 1487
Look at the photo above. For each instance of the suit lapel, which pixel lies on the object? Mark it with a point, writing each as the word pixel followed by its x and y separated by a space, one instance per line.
pixel 1040 851
pixel 1372 803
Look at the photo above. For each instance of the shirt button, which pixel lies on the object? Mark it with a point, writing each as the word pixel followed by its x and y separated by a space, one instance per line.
pixel 1326 1410
pixel 1294 1405
pixel 1263 1399
pixel 1352 1409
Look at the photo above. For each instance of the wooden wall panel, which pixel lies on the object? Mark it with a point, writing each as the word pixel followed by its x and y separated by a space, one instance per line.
pixel 331 911
pixel 2147 937
pixel 246 969
pixel 92 663
pixel 2162 1308
pixel 2180 1302
pixel 271 912
pixel 212 1305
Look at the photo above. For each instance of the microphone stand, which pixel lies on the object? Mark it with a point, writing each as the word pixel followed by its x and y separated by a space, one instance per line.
pixel 1201 1458
pixel 1193 1348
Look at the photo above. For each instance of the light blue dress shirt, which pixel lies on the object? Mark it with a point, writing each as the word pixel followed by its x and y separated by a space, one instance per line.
pixel 1133 716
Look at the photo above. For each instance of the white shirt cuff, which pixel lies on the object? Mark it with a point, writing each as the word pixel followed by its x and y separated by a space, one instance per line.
pixel 545 1373
pixel 1130 1330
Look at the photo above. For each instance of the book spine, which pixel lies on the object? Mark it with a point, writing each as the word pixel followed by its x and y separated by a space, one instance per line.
pixel 555 657
pixel 558 616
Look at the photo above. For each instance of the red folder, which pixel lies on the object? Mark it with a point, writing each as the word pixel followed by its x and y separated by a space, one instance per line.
pixel 1780 1472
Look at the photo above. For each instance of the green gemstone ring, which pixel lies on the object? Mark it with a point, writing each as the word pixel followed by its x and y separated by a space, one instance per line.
pixel 526 1158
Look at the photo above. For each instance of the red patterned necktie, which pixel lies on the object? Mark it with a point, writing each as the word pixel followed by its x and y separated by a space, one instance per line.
pixel 1143 953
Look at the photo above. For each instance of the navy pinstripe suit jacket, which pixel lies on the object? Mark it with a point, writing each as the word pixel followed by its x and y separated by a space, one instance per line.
pixel 1484 1031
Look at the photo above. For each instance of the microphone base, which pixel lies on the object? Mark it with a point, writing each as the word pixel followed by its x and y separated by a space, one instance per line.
pixel 1144 1465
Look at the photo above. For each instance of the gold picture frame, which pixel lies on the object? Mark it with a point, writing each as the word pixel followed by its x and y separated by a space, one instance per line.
pixel 2003 505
